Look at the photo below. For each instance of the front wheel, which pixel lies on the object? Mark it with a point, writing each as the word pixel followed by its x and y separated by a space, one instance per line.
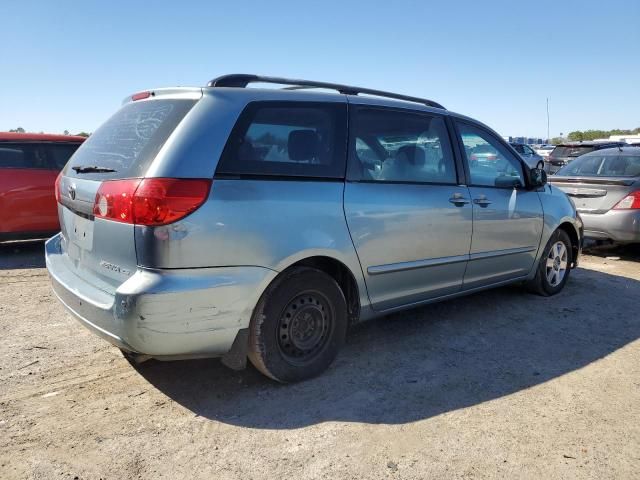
pixel 554 266
pixel 298 326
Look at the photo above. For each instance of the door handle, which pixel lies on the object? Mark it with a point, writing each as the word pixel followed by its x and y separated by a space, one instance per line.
pixel 482 201
pixel 458 200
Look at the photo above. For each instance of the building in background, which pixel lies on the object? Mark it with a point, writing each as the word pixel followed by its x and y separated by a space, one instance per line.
pixel 526 140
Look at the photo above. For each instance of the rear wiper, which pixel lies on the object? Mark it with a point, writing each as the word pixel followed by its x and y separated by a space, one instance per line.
pixel 92 169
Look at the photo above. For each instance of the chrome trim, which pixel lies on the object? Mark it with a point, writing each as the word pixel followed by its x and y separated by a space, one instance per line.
pixel 501 253
pixel 402 266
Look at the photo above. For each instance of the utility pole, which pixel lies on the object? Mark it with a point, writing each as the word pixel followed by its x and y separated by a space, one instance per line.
pixel 548 119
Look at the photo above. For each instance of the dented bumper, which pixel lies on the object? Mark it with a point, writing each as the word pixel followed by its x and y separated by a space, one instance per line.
pixel 163 313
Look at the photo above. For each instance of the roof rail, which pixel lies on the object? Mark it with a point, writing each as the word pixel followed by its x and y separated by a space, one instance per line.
pixel 241 80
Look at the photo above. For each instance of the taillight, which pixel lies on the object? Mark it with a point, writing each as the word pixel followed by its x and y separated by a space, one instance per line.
pixel 150 201
pixel 57 187
pixel 630 202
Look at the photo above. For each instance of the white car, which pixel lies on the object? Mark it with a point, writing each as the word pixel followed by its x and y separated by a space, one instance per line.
pixel 544 150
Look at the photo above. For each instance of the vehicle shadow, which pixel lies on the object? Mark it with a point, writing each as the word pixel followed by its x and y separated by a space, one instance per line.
pixel 29 254
pixel 421 363
pixel 623 252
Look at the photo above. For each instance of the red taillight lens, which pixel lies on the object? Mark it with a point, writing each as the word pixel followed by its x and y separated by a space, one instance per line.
pixel 57 187
pixel 150 201
pixel 630 202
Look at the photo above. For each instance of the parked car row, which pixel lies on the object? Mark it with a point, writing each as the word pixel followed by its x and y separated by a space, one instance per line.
pixel 565 153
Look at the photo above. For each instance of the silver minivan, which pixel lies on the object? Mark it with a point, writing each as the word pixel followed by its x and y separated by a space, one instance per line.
pixel 241 222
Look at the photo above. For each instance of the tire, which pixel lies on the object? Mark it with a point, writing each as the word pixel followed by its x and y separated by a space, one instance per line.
pixel 550 277
pixel 298 326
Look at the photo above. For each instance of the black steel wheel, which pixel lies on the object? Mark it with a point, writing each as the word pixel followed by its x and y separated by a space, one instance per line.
pixel 298 325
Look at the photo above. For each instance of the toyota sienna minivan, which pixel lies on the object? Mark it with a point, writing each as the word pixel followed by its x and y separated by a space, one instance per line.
pixel 241 222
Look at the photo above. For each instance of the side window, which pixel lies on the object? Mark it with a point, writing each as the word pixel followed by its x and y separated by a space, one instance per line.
pixel 41 156
pixel 287 138
pixel 490 163
pixel 13 156
pixel 393 146
pixel 59 154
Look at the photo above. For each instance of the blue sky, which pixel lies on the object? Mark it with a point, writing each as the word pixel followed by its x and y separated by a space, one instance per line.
pixel 67 65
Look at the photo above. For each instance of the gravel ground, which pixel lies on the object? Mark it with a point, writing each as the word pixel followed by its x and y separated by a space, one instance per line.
pixel 501 384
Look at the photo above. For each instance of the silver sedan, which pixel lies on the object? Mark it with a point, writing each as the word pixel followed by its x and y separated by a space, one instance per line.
pixel 605 188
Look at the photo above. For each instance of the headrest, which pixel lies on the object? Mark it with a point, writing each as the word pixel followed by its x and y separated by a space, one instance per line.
pixel 303 145
pixel 415 155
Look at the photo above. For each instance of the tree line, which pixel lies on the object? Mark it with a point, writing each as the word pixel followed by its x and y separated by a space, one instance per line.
pixel 579 135
pixel 66 132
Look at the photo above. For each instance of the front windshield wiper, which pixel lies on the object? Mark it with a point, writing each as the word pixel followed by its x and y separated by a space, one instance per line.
pixel 92 169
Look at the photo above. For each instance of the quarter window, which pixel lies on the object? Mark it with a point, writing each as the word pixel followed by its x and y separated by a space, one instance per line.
pixel 394 146
pixel 490 163
pixel 286 138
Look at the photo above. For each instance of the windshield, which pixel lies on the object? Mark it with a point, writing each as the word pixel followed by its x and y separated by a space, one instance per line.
pixel 571 151
pixel 125 145
pixel 603 166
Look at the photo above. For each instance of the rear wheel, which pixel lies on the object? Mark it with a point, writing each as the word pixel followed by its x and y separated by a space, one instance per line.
pixel 298 326
pixel 554 266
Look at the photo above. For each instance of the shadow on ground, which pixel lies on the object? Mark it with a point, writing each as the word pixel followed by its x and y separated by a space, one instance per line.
pixel 421 363
pixel 28 254
pixel 623 252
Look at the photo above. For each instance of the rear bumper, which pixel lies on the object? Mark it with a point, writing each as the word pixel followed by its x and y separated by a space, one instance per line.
pixel 621 226
pixel 163 313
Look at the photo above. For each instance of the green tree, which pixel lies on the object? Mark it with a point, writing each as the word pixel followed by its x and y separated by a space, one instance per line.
pixel 557 140
pixel 83 134
pixel 576 136
pixel 17 130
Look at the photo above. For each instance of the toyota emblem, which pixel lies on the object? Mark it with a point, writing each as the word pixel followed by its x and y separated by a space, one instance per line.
pixel 72 192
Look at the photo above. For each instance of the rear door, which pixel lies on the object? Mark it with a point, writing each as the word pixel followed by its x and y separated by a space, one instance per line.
pixel 28 172
pixel 507 218
pixel 103 251
pixel 409 216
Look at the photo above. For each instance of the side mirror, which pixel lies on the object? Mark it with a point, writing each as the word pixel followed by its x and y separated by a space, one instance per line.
pixel 537 178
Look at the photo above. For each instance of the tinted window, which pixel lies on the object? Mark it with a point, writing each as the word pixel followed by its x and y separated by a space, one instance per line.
pixel 519 148
pixel 392 146
pixel 571 151
pixel 286 138
pixel 130 139
pixel 48 156
pixel 603 166
pixel 490 163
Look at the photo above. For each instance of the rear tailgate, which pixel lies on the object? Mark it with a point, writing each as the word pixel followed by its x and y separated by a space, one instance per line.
pixel 594 195
pixel 101 251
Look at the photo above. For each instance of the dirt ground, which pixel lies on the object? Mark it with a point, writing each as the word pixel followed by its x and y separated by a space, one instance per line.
pixel 501 384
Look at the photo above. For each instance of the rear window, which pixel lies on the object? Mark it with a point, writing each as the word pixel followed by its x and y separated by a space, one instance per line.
pixel 43 156
pixel 603 166
pixel 571 151
pixel 129 141
pixel 287 139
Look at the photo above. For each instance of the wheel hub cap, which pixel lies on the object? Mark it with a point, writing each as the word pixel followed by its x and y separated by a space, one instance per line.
pixel 557 261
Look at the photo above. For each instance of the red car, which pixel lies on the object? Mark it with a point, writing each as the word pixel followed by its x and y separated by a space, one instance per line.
pixel 29 165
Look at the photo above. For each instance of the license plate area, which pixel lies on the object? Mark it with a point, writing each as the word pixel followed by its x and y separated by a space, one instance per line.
pixel 80 232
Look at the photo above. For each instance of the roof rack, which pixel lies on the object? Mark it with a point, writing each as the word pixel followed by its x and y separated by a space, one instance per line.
pixel 241 80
